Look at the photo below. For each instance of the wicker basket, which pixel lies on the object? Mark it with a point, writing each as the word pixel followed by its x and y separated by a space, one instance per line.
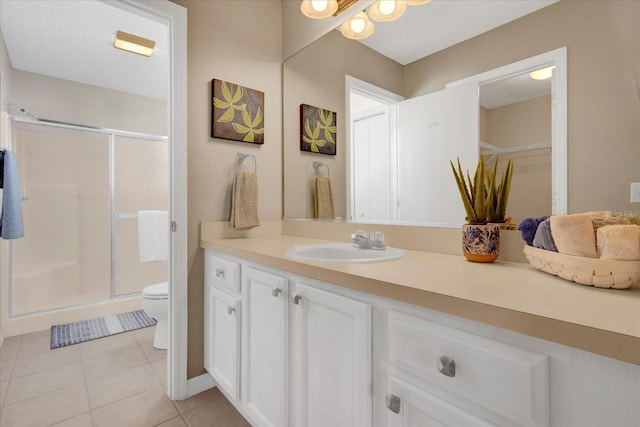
pixel 601 273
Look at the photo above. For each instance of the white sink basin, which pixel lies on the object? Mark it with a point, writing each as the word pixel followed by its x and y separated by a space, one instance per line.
pixel 342 252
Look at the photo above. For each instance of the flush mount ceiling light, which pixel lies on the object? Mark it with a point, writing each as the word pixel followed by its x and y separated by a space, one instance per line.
pixel 542 74
pixel 416 2
pixel 387 10
pixel 133 43
pixel 359 27
pixel 318 9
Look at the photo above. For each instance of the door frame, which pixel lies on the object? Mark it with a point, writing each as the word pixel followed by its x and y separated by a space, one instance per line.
pixel 175 17
pixel 354 85
pixel 559 162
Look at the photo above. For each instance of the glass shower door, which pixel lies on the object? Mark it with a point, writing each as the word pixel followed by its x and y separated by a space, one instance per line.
pixel 64 257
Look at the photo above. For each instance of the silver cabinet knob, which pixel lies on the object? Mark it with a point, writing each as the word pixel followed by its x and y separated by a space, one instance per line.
pixel 276 291
pixel 295 298
pixel 219 272
pixel 230 310
pixel 447 366
pixel 393 403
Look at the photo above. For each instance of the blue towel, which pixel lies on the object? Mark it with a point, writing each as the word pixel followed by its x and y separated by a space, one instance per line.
pixel 11 226
pixel 528 228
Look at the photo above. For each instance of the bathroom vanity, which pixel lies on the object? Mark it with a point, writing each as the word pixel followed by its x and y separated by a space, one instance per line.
pixel 428 338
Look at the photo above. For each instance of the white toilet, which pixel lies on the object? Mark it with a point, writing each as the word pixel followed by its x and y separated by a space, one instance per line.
pixel 155 302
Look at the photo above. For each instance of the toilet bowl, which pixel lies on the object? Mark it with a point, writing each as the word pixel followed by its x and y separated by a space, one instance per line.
pixel 155 302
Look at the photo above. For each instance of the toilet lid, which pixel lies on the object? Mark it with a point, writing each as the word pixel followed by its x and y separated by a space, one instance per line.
pixel 157 291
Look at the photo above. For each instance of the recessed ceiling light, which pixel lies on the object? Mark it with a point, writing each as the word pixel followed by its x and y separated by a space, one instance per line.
pixel 133 43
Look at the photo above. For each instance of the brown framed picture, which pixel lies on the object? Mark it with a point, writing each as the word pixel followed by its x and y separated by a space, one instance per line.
pixel 237 112
pixel 317 130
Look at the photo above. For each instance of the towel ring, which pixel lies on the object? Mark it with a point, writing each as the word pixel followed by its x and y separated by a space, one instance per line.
pixel 240 158
pixel 317 166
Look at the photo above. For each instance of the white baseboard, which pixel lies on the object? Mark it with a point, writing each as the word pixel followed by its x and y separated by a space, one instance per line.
pixel 197 385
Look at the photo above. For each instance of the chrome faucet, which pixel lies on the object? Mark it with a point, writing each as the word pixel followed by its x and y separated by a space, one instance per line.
pixel 363 241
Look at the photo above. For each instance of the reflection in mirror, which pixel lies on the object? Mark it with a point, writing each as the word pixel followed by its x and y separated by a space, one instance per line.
pixel 399 183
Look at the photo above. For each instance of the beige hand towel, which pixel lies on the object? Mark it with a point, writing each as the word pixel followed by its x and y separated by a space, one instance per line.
pixel 574 235
pixel 244 201
pixel 619 242
pixel 323 201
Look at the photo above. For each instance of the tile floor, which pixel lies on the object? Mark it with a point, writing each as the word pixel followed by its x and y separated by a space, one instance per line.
pixel 117 381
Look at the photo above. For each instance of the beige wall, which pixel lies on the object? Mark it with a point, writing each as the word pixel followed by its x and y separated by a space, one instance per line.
pixel 240 42
pixel 316 76
pixel 603 49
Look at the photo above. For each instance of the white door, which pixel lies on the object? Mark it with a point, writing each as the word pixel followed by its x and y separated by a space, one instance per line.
pixel 222 339
pixel 331 348
pixel 264 350
pixel 373 181
pixel 434 129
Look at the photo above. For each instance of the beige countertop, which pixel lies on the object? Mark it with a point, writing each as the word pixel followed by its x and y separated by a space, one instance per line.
pixel 510 295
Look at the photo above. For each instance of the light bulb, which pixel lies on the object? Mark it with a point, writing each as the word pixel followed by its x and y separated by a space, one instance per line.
pixel 387 7
pixel 357 25
pixel 319 5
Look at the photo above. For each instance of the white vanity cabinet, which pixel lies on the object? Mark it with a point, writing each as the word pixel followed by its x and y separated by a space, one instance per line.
pixel 331 355
pixel 222 318
pixel 265 347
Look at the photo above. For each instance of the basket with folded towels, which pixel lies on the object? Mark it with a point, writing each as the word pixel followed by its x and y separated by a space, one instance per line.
pixel 598 248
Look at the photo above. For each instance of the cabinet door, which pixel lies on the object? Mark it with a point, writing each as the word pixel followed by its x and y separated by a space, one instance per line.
pixel 264 360
pixel 331 384
pixel 222 339
pixel 410 406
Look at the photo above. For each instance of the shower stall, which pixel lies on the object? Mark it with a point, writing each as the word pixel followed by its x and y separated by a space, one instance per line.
pixel 81 190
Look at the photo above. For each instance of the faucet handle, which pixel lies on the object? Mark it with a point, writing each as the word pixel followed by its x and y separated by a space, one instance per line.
pixel 377 240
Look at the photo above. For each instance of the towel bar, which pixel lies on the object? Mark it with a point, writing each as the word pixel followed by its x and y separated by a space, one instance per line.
pixel 318 165
pixel 240 158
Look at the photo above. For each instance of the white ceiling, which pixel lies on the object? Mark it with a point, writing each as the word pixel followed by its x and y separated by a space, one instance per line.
pixel 73 40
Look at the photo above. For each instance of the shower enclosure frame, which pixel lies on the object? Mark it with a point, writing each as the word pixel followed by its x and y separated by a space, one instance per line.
pixel 112 134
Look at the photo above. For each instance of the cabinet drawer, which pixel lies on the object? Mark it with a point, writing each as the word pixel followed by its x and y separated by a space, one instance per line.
pixel 506 380
pixel 221 272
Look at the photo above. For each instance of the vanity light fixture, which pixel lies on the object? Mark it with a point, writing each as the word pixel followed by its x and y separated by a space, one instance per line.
pixel 542 74
pixel 133 43
pixel 387 10
pixel 357 28
pixel 318 9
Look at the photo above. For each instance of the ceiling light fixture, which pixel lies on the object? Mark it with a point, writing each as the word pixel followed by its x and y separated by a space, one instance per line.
pixel 318 9
pixel 542 74
pixel 416 2
pixel 133 43
pixel 359 27
pixel 387 10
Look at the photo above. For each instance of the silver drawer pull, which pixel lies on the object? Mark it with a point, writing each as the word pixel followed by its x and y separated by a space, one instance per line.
pixel 219 272
pixel 295 298
pixel 393 403
pixel 230 310
pixel 447 366
pixel 275 292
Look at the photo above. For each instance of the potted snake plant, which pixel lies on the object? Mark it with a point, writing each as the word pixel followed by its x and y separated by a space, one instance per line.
pixel 485 199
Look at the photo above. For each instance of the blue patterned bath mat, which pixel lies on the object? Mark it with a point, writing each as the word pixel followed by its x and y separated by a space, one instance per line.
pixel 86 330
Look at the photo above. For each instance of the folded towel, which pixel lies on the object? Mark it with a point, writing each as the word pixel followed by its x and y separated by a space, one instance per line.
pixel 244 201
pixel 324 207
pixel 543 238
pixel 11 225
pixel 153 235
pixel 528 228
pixel 574 235
pixel 619 242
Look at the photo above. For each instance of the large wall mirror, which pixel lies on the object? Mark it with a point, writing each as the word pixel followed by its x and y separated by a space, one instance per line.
pixel 514 116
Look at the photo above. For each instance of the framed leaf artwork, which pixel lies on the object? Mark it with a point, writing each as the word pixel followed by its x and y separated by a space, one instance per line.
pixel 237 113
pixel 317 130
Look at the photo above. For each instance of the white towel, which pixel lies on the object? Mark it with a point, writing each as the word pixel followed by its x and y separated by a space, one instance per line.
pixel 153 235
